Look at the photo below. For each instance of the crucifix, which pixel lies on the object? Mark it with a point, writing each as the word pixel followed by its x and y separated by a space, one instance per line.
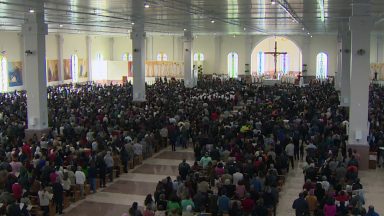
pixel 275 55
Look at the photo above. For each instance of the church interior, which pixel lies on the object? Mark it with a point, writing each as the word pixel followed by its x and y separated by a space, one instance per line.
pixel 191 107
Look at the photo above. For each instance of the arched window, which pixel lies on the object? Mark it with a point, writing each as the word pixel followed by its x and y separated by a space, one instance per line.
pixel 127 57
pixel 284 63
pixel 321 66
pixel 198 56
pixel 260 63
pixel 75 68
pixel 99 57
pixel 233 65
pixel 3 74
pixel 162 57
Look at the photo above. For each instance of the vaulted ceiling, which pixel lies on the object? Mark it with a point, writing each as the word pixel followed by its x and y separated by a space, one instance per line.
pixel 173 16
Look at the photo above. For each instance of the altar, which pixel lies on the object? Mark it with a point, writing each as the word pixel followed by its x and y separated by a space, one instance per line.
pixel 271 82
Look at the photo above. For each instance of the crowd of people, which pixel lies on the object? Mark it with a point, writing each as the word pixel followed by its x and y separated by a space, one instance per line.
pixel 245 138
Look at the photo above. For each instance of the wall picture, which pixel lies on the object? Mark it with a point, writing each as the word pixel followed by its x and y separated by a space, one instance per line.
pixel 83 69
pixel 15 73
pixel 67 69
pixel 52 70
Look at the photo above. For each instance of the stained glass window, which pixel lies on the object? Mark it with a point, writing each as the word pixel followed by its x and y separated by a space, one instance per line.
pixel 74 67
pixel 284 64
pixel 260 63
pixel 321 66
pixel 233 65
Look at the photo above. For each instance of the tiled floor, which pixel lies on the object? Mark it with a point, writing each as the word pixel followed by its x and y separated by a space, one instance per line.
pixel 131 187
pixel 134 186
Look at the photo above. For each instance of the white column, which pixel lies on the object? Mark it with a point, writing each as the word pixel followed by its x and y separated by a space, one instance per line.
pixel 345 68
pixel 111 49
pixel 380 48
pixel 188 77
pixel 218 41
pixel 60 65
pixel 339 62
pixel 305 59
pixel 34 31
pixel 138 55
pixel 361 25
pixel 248 53
pixel 89 57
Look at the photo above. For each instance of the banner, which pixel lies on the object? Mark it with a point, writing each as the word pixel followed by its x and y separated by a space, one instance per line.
pixel 15 73
pixel 53 70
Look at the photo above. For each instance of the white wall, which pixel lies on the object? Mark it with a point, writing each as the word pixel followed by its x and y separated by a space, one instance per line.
pixel 206 45
pixel 121 45
pixel 11 42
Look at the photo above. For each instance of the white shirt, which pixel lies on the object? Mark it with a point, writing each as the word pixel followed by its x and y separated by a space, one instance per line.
pixel 237 176
pixel 137 149
pixel 290 149
pixel 44 197
pixel 80 177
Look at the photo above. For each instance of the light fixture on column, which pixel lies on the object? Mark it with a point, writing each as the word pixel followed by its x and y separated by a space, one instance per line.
pixel 273 2
pixel 146 5
pixel 31 10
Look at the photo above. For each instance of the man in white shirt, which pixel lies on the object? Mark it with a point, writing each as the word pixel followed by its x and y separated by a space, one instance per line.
pixel 237 176
pixel 290 151
pixel 80 179
pixel 44 198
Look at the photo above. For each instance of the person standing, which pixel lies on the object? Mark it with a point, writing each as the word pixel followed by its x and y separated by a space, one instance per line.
pixel 92 176
pixel 109 164
pixel 102 170
pixel 290 151
pixel 80 179
pixel 184 169
pixel 300 205
pixel 44 198
pixel 58 197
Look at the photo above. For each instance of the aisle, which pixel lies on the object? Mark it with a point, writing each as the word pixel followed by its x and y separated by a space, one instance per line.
pixel 117 197
pixel 290 190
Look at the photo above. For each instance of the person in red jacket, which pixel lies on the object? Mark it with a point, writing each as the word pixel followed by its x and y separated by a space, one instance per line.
pixel 17 191
pixel 248 204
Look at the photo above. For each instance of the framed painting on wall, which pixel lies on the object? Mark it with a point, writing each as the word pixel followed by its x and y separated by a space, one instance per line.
pixel 83 69
pixel 15 73
pixel 52 70
pixel 67 69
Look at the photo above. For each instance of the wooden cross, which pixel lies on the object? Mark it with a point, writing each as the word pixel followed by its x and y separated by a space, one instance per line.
pixel 275 55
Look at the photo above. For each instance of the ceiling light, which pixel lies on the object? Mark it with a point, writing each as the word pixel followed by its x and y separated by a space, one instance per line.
pixel 133 23
pixel 146 5
pixel 31 11
pixel 273 2
pixel 185 29
pixel 212 21
pixel 61 25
